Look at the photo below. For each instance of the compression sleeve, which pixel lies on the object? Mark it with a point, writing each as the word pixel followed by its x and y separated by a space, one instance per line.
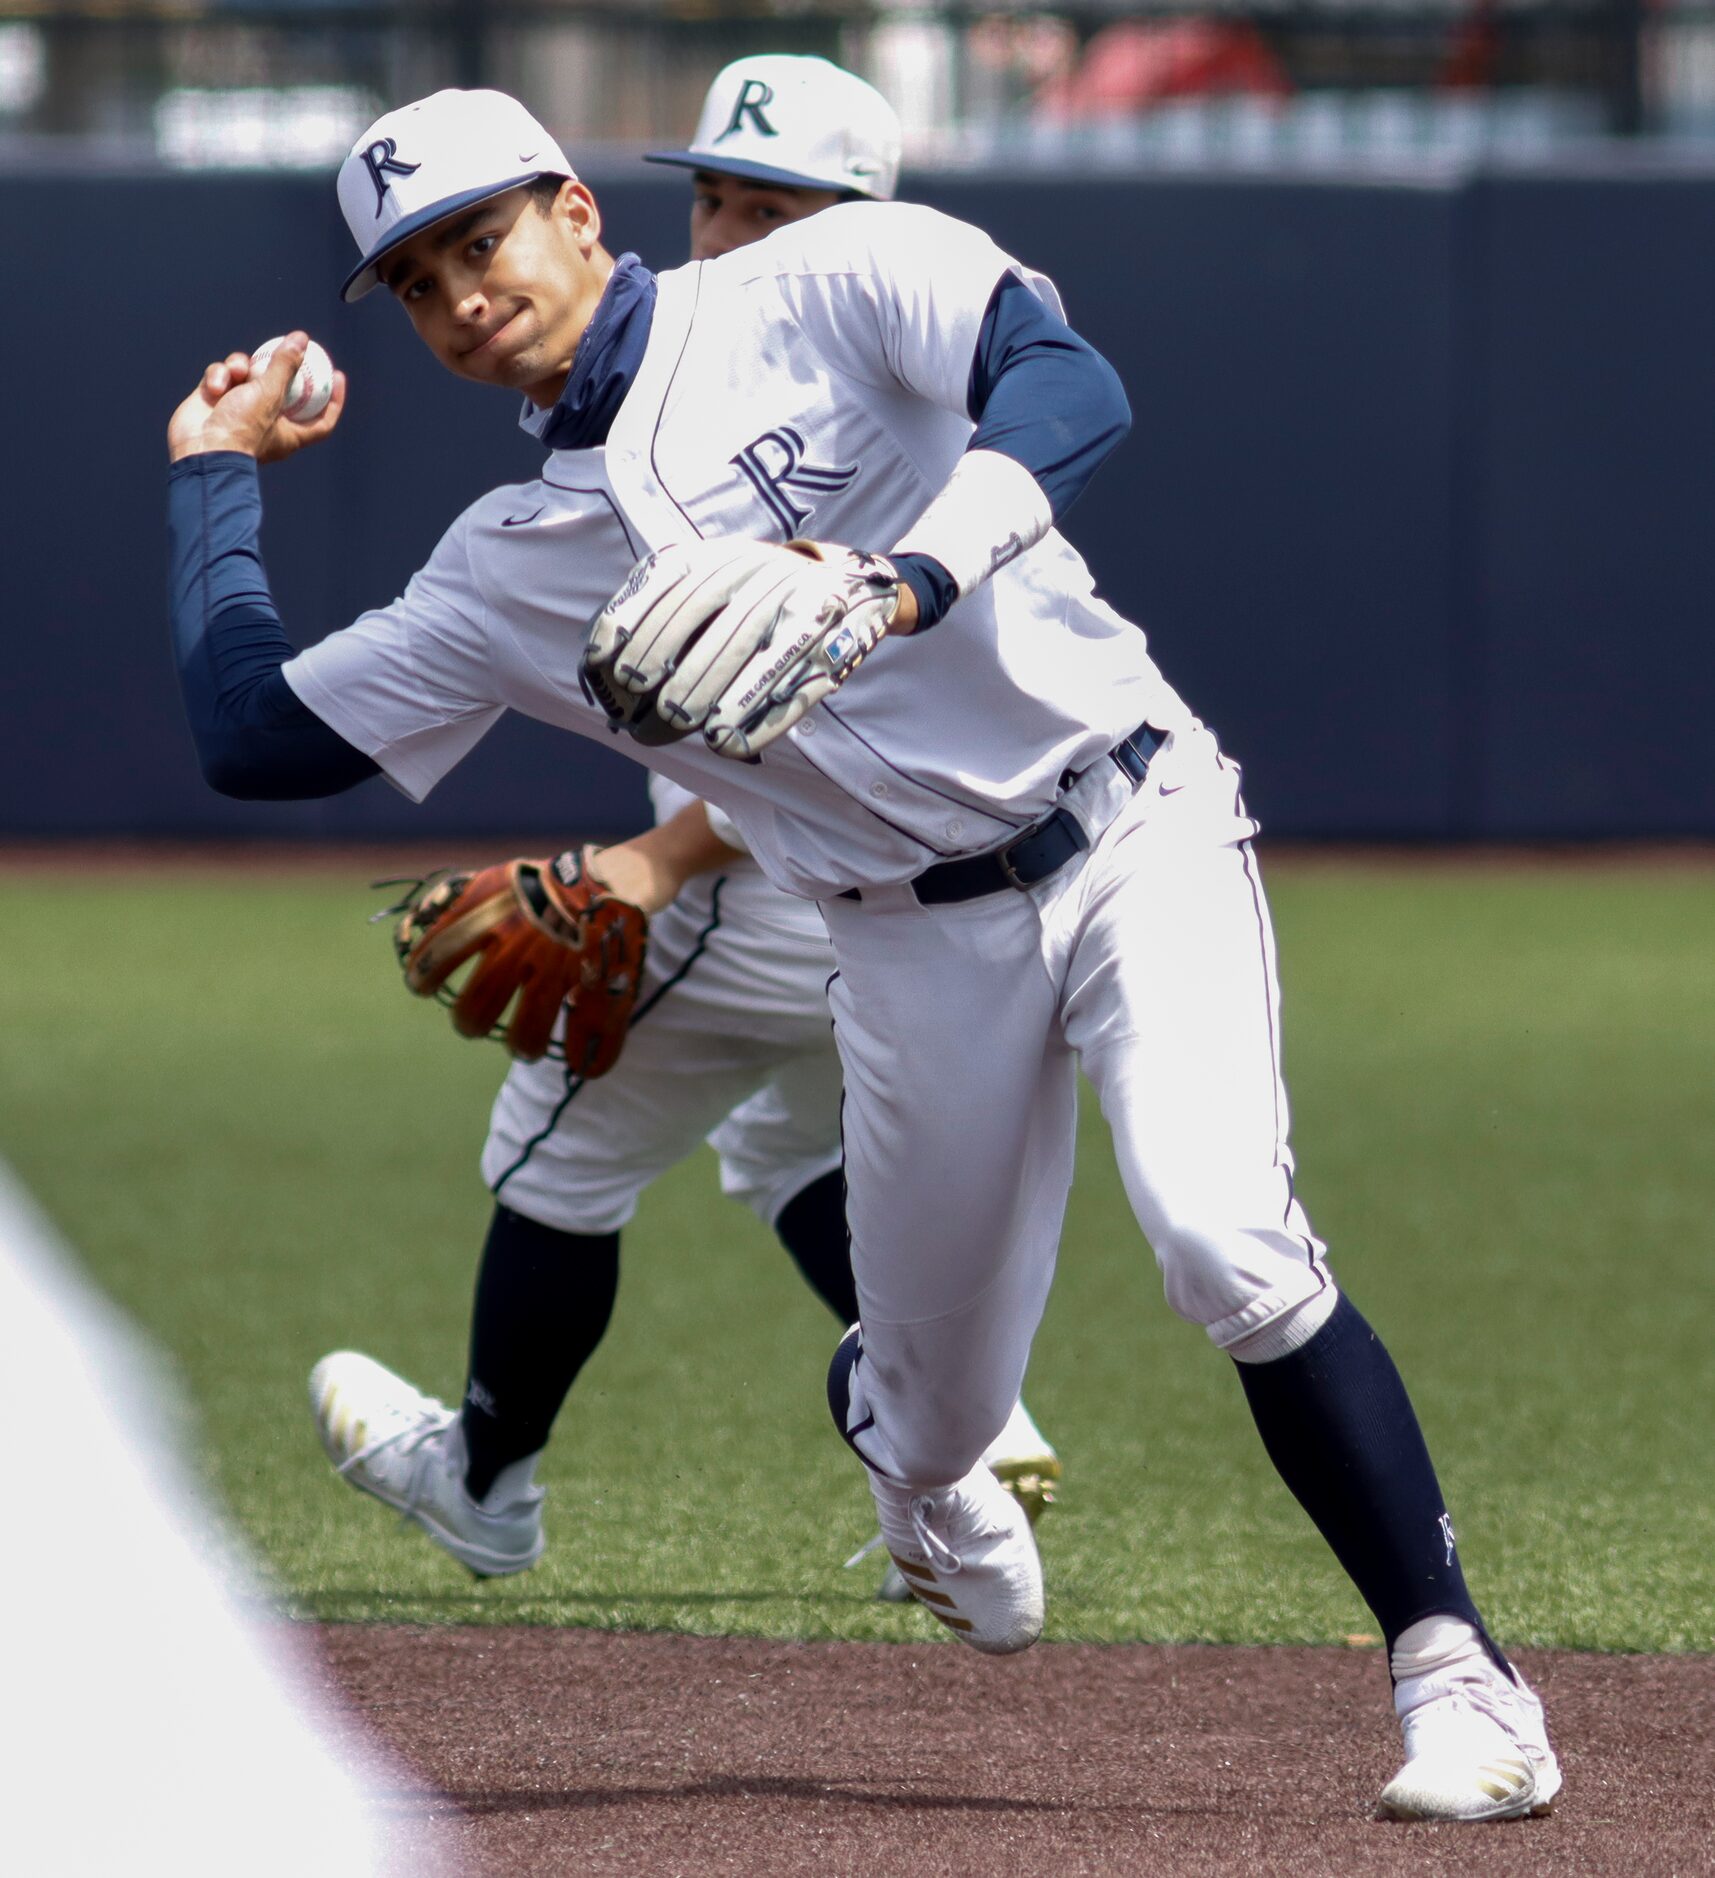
pixel 1050 405
pixel 1042 396
pixel 255 738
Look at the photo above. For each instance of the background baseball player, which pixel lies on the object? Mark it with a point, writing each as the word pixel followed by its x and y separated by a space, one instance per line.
pixel 732 1027
pixel 1031 854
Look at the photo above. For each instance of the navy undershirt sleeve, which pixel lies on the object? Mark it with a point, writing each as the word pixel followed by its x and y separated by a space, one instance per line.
pixel 1040 395
pixel 255 738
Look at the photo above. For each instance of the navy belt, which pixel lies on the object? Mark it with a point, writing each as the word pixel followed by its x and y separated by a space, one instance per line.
pixel 1037 853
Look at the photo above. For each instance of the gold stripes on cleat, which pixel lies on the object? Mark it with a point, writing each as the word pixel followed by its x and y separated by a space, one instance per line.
pixel 936 1603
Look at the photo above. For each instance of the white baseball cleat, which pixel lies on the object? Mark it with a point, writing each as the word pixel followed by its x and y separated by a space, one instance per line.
pixel 969 1557
pixel 408 1450
pixel 1476 1747
pixel 1024 1462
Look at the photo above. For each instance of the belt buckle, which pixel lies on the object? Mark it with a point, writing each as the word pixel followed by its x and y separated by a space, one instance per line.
pixel 1011 874
pixel 1061 822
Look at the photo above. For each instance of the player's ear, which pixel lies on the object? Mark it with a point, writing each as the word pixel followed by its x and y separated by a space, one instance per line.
pixel 579 207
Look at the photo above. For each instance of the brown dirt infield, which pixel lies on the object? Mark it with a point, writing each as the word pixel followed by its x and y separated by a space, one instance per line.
pixel 566 1751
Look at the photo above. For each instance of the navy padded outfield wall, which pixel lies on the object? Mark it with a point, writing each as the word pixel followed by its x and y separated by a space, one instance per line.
pixel 1418 508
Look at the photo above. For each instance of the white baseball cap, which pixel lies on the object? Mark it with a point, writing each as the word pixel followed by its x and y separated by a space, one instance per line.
pixel 428 160
pixel 802 122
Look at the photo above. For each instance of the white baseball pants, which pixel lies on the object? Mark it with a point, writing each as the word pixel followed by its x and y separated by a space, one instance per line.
pixel 1149 960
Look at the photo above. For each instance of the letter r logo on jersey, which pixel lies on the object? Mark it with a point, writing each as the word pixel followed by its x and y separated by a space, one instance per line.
pixel 753 94
pixel 776 468
pixel 381 159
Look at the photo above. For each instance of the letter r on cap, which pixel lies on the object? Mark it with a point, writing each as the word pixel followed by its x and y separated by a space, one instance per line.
pixel 382 160
pixel 753 94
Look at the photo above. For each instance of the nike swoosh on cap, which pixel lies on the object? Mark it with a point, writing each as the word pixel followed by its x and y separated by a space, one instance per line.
pixel 518 521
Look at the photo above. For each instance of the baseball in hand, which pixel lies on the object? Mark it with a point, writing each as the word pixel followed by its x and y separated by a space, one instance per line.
pixel 312 382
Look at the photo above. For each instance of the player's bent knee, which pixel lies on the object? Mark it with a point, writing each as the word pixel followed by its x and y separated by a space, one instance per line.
pixel 1289 1331
pixel 1234 1281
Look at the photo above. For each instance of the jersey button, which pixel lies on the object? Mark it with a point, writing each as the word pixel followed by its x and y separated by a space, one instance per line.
pixel 955 828
pixel 807 728
pixel 878 789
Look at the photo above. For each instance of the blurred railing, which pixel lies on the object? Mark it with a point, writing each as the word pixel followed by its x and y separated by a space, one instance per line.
pixel 284 83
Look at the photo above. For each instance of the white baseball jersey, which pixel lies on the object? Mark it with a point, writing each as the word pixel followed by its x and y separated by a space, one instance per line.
pixel 811 383
pixel 667 798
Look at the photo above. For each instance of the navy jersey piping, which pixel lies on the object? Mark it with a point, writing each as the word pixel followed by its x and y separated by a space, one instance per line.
pixel 971 808
pixel 661 409
pixel 910 834
pixel 575 489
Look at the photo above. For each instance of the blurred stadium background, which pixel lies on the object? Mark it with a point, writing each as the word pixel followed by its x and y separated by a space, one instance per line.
pixel 1412 298
pixel 291 82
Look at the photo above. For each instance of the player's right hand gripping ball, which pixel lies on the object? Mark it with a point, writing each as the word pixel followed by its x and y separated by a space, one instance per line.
pixel 544 937
pixel 312 383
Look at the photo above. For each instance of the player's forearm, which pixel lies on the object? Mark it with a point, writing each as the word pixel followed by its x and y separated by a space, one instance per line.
pixel 254 737
pixel 652 868
pixel 1049 411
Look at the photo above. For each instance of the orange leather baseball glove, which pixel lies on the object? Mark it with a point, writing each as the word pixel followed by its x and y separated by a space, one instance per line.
pixel 546 939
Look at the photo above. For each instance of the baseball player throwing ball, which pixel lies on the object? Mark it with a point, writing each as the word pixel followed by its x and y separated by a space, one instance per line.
pixel 731 1025
pixel 808 494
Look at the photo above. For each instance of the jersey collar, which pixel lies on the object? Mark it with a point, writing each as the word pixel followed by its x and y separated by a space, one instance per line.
pixel 604 365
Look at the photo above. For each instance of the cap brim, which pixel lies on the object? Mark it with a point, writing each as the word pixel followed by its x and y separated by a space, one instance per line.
pixel 754 172
pixel 364 277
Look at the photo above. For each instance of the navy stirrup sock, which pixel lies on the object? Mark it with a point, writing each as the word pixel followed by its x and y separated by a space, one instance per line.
pixel 1340 1429
pixel 543 1301
pixel 812 1226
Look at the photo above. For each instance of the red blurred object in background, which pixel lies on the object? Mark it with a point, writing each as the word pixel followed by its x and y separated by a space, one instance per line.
pixel 1128 67
pixel 1475 50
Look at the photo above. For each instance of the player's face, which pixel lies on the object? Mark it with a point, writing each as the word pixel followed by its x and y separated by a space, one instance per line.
pixel 727 212
pixel 501 293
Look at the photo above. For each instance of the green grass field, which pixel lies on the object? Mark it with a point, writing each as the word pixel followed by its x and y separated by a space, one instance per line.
pixel 1504 1087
